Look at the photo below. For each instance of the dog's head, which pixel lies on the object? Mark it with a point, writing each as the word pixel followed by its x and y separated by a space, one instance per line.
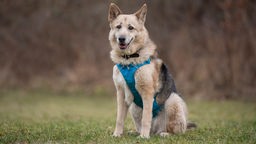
pixel 128 33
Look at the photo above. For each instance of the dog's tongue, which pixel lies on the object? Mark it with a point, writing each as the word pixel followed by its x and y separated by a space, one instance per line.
pixel 122 46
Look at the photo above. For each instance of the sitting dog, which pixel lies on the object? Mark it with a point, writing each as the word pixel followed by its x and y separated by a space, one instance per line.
pixel 142 81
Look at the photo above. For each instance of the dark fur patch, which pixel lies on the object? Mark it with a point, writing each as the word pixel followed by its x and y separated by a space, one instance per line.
pixel 168 85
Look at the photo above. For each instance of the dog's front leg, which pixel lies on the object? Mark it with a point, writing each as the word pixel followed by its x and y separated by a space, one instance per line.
pixel 122 109
pixel 146 116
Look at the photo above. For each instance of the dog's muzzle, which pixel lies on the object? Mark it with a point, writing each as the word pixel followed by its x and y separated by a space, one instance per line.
pixel 122 44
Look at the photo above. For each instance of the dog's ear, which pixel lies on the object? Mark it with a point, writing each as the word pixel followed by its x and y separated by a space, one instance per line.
pixel 113 12
pixel 141 13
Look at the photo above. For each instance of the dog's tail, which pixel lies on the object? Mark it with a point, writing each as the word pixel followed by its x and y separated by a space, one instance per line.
pixel 191 125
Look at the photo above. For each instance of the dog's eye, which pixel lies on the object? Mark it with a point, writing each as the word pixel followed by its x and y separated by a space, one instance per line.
pixel 118 26
pixel 130 27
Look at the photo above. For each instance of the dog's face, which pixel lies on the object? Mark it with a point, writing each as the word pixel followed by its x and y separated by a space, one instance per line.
pixel 127 34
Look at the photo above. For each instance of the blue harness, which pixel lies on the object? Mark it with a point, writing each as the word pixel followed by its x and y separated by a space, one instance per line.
pixel 128 72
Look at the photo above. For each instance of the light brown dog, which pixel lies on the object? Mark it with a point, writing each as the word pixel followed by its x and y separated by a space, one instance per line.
pixel 131 48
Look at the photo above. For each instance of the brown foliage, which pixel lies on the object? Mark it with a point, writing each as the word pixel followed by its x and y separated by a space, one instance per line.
pixel 210 46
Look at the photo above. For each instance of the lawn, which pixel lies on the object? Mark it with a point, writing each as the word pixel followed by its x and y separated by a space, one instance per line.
pixel 76 117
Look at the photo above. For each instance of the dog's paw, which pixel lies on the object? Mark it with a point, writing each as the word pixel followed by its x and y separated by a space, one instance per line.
pixel 164 134
pixel 144 136
pixel 117 134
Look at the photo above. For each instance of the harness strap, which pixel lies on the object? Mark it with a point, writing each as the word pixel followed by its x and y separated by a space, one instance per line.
pixel 128 72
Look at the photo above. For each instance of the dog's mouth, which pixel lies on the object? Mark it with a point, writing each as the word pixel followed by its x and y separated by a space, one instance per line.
pixel 123 45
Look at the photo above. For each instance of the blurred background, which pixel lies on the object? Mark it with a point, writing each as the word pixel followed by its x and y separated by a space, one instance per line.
pixel 209 46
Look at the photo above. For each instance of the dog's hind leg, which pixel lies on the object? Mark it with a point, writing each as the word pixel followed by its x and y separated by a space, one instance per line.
pixel 177 114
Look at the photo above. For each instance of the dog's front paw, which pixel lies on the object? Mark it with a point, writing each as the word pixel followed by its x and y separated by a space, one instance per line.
pixel 164 134
pixel 144 136
pixel 117 134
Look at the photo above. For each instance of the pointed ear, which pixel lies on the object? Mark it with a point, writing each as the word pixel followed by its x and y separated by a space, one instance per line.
pixel 141 13
pixel 113 12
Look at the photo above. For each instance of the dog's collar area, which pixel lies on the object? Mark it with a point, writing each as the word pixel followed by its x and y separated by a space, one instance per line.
pixel 131 56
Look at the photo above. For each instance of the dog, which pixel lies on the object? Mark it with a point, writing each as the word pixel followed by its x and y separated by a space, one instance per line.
pixel 142 81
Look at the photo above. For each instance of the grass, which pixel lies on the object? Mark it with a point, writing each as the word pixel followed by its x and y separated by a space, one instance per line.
pixel 65 117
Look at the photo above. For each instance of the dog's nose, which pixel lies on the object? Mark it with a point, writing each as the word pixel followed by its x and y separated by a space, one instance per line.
pixel 121 39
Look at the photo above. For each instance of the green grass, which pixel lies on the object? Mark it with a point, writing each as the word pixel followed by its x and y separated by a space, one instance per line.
pixel 50 117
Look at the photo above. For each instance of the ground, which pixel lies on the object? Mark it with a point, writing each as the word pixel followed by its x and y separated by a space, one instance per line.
pixel 41 116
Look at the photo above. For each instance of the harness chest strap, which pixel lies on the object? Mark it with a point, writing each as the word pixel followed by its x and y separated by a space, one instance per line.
pixel 128 72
